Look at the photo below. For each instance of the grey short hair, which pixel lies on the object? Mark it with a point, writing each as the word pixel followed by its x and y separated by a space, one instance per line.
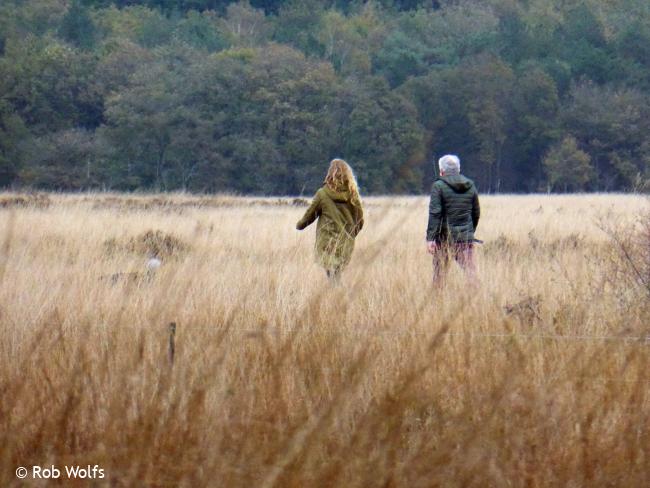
pixel 449 163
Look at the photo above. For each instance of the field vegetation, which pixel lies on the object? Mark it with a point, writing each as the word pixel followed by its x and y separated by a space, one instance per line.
pixel 536 377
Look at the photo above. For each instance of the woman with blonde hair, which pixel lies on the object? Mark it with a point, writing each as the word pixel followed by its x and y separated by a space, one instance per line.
pixel 339 211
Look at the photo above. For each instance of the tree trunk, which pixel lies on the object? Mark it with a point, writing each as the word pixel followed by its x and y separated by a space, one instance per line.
pixel 159 167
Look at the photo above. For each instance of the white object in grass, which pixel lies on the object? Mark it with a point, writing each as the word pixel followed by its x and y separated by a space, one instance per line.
pixel 153 264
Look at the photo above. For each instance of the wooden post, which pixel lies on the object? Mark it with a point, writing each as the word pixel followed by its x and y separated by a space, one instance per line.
pixel 172 345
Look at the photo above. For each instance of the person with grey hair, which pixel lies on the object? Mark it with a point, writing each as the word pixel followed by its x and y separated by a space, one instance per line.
pixel 454 212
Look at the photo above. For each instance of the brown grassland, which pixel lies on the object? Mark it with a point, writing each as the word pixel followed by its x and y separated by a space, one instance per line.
pixel 537 377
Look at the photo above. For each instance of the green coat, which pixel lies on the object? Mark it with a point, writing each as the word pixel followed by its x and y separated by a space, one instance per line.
pixel 339 222
pixel 454 210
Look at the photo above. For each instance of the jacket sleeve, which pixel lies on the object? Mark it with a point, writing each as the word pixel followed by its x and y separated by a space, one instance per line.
pixel 312 213
pixel 476 210
pixel 435 214
pixel 358 219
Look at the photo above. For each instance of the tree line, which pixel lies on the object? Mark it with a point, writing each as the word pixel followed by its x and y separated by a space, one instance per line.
pixel 257 97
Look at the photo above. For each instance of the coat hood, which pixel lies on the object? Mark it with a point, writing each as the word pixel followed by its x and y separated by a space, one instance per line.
pixel 458 183
pixel 338 196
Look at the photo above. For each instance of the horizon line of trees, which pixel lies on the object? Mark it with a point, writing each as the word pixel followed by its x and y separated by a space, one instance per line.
pixel 257 97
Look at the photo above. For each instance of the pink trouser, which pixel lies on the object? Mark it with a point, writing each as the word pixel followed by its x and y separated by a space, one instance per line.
pixel 461 252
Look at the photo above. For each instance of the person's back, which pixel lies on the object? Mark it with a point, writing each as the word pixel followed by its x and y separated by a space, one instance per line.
pixel 339 211
pixel 454 212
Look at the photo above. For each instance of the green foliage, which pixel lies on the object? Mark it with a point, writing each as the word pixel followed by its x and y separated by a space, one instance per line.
pixel 468 107
pixel 612 125
pixel 49 85
pixel 77 27
pixel 149 28
pixel 256 96
pixel 149 125
pixel 61 160
pixel 201 31
pixel 349 41
pixel 381 134
pixel 12 131
pixel 295 25
pixel 426 39
pixel 535 104
pixel 244 25
pixel 36 17
pixel 568 168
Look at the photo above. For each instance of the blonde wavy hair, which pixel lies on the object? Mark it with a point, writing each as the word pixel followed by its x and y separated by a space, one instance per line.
pixel 341 177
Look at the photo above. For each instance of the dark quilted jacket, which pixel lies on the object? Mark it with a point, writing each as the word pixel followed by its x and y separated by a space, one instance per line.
pixel 453 210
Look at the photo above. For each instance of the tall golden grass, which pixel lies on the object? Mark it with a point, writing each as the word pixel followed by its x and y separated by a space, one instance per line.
pixel 537 377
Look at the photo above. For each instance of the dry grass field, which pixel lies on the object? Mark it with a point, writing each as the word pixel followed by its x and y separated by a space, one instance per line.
pixel 536 377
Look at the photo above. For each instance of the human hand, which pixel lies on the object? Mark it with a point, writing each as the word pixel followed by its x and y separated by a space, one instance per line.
pixel 432 247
